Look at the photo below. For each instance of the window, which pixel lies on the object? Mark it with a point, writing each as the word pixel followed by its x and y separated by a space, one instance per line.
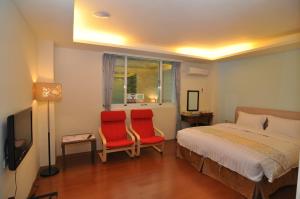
pixel 141 80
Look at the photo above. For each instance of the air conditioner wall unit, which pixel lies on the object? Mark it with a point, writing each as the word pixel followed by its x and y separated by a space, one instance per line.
pixel 197 71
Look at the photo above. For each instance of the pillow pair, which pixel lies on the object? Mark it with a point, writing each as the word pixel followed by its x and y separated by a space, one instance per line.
pixel 286 127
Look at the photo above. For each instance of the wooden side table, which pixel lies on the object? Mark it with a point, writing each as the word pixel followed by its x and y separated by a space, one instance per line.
pixel 79 138
pixel 199 119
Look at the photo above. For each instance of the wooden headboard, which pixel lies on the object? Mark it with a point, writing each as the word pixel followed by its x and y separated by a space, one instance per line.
pixel 278 113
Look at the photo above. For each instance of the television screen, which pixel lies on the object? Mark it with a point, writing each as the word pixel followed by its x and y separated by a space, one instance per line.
pixel 19 137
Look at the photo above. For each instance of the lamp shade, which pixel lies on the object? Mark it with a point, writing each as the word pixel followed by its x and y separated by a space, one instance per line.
pixel 47 91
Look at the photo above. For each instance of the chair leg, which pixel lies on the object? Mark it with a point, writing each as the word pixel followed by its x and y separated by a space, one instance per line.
pixel 130 152
pixel 157 149
pixel 138 150
pixel 103 155
pixel 162 148
pixel 133 151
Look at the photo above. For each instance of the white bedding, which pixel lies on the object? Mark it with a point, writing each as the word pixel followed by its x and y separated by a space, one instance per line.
pixel 242 159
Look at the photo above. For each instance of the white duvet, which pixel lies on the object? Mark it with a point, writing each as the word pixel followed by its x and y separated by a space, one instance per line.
pixel 239 158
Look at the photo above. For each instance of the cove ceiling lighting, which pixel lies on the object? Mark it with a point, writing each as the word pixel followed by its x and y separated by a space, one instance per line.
pixel 90 29
pixel 215 53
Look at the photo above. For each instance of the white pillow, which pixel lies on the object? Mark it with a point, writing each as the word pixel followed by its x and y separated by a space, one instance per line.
pixel 253 121
pixel 283 126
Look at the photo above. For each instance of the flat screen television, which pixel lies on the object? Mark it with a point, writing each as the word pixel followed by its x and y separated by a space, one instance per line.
pixel 19 137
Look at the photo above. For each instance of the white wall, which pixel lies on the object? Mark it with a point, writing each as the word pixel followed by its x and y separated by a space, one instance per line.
pixel 268 81
pixel 80 72
pixel 17 72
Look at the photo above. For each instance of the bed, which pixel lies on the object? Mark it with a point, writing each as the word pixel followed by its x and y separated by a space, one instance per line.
pixel 253 162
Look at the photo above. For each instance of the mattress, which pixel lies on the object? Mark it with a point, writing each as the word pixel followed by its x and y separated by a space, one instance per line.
pixel 240 156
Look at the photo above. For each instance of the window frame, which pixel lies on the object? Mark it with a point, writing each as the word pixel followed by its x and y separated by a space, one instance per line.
pixel 160 80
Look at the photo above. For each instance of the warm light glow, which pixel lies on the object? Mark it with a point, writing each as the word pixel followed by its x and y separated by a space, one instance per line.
pixel 81 33
pixel 34 79
pixel 90 30
pixel 47 91
pixel 97 37
pixel 215 53
pixel 153 98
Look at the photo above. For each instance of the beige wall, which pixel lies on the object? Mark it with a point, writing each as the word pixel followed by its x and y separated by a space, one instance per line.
pixel 269 81
pixel 46 74
pixel 195 82
pixel 80 72
pixel 17 71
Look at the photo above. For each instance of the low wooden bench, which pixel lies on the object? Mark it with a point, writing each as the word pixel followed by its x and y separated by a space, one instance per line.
pixel 79 138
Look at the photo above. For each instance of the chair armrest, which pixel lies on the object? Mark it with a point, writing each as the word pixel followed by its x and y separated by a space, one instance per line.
pixel 130 134
pixel 138 138
pixel 159 132
pixel 102 136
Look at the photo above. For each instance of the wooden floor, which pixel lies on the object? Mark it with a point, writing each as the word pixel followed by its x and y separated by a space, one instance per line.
pixel 149 176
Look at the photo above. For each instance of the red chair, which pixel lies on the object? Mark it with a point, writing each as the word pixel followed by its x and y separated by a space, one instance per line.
pixel 144 130
pixel 115 135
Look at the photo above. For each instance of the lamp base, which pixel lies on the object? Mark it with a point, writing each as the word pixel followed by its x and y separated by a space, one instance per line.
pixel 47 172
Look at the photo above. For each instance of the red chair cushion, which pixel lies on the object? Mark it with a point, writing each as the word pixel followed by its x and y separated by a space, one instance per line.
pixel 152 140
pixel 141 114
pixel 111 116
pixel 113 125
pixel 141 121
pixel 119 143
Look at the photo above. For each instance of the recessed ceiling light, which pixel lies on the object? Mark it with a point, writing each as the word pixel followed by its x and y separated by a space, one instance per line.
pixel 102 14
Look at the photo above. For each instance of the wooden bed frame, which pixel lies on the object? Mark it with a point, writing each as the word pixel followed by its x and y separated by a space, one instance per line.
pixel 246 187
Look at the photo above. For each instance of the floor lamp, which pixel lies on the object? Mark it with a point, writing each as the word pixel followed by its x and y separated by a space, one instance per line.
pixel 48 92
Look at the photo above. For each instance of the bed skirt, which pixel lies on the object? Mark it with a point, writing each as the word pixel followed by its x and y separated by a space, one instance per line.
pixel 237 182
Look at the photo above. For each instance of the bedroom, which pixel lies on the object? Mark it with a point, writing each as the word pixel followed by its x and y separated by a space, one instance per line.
pixel 37 45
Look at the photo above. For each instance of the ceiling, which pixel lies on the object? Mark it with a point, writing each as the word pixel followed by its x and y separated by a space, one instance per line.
pixel 204 29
